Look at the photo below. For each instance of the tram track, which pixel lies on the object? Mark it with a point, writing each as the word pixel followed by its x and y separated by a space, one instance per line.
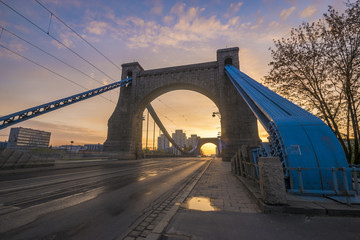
pixel 57 179
pixel 36 194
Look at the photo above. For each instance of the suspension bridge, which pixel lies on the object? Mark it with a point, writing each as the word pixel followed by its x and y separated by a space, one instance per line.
pixel 311 156
pixel 303 143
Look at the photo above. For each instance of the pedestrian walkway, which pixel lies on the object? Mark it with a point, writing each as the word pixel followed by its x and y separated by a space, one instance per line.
pixel 224 191
pixel 220 207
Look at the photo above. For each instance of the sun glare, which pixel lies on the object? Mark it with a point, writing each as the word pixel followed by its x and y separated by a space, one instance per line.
pixel 263 135
pixel 184 110
pixel 208 149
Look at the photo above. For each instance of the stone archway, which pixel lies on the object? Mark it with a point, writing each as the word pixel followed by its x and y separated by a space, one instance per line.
pixel 203 141
pixel 238 124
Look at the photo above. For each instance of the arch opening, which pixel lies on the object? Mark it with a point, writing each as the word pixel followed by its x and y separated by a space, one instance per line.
pixel 238 124
pixel 228 61
pixel 208 149
pixel 186 114
pixel 129 74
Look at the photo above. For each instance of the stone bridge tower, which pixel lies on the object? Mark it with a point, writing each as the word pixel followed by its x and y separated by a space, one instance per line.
pixel 238 124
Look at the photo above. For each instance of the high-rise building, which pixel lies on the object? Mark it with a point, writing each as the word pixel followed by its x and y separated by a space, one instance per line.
pixel 27 139
pixel 191 141
pixel 180 138
pixel 163 143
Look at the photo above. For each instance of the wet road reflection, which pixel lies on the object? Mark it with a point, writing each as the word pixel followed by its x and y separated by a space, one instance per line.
pixel 100 199
pixel 199 204
pixel 147 174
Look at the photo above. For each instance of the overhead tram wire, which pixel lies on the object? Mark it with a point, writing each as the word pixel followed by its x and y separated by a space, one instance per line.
pixel 48 69
pixel 54 15
pixel 78 55
pixel 51 55
pixel 58 41
pixel 168 118
pixel 176 112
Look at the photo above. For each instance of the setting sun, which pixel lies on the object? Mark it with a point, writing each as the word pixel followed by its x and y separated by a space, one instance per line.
pixel 208 149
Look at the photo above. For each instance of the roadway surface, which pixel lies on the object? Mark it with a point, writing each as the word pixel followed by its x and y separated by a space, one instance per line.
pixel 94 200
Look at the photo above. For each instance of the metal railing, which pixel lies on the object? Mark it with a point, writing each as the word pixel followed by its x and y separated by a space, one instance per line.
pixel 345 181
pixel 244 168
pixel 249 169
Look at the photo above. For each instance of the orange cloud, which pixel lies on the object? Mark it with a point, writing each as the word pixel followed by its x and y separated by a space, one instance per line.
pixel 286 13
pixel 308 12
pixel 96 27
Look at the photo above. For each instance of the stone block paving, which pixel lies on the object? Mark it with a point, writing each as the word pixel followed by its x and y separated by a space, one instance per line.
pixel 225 191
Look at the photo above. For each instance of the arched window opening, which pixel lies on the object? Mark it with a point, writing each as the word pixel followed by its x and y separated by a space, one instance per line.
pixel 228 61
pixel 129 74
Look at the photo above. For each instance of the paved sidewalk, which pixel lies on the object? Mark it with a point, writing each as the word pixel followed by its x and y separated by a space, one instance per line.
pixel 220 207
pixel 223 189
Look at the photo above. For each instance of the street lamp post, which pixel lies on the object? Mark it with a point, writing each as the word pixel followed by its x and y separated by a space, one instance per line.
pixel 219 133
pixel 71 147
pixel 216 114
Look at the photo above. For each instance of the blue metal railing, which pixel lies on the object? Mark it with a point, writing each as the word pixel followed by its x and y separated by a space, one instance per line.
pixel 340 183
pixel 18 117
pixel 343 185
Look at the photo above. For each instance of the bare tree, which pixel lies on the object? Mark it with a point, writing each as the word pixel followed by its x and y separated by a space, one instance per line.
pixel 318 67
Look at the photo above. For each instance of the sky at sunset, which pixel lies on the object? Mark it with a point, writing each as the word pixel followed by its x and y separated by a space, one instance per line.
pixel 155 33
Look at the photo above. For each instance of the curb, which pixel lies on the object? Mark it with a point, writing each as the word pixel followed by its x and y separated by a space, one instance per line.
pixel 154 221
pixel 160 227
pixel 301 207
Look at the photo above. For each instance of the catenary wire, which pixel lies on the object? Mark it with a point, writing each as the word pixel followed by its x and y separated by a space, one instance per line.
pixel 67 79
pixel 78 55
pixel 183 116
pixel 48 69
pixel 62 44
pixel 51 55
pixel 54 15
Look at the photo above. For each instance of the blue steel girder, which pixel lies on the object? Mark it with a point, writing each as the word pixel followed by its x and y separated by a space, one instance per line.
pixel 18 117
pixel 300 139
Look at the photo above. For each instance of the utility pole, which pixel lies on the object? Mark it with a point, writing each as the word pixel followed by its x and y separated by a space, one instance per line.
pixel 154 137
pixel 147 131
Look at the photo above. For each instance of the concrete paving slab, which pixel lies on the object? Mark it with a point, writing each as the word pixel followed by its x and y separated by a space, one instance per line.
pixel 233 225
pixel 227 208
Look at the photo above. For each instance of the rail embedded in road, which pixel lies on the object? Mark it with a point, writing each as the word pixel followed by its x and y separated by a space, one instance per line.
pixel 130 187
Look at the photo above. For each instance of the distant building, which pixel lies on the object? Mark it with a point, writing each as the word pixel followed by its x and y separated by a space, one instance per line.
pixel 191 141
pixel 27 139
pixel 163 143
pixel 3 144
pixel 180 138
pixel 94 147
pixel 71 148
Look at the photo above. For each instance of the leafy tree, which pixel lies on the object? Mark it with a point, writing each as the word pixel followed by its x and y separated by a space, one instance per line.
pixel 318 67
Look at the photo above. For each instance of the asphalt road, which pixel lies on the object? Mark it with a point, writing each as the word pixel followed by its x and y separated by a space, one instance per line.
pixel 96 200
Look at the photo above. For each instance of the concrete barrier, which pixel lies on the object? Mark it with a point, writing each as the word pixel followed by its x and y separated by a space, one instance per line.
pixel 272 185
